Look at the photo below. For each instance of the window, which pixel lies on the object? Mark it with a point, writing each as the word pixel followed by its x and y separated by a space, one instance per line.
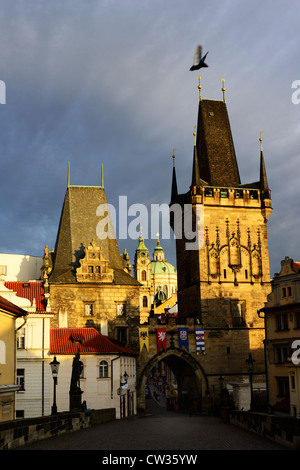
pixel 209 192
pixel 286 291
pixel 103 369
pixel 20 414
pixel 281 353
pixel 2 352
pixel 224 192
pixel 253 195
pixel 292 382
pixel 122 334
pixel 283 292
pixel 21 339
pixel 88 309
pixel 281 322
pixel 3 270
pixel 144 276
pixel 120 309
pixel 246 273
pixel 21 379
pixel 282 386
pixel 145 301
pixel 238 194
pixel 297 320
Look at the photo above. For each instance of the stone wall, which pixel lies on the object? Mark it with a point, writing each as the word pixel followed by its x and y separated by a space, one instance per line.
pixel 19 432
pixel 282 429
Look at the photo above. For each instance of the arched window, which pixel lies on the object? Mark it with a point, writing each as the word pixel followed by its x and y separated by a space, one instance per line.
pixel 144 276
pixel 145 301
pixel 2 353
pixel 103 369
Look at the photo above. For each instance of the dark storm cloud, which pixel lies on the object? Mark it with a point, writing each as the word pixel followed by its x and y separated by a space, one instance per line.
pixel 109 82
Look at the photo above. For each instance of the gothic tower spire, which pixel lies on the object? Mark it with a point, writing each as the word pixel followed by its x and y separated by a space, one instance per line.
pixel 174 191
pixel 196 170
pixel 263 174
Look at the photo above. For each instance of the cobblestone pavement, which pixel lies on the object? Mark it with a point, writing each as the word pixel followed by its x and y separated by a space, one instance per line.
pixel 159 429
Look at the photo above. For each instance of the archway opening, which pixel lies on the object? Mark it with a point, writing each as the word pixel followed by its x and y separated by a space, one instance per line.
pixel 173 383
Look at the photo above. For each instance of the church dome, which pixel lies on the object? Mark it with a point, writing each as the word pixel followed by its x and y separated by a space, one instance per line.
pixel 160 296
pixel 162 267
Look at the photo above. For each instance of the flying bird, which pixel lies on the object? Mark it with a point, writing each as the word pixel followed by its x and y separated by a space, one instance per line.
pixel 199 61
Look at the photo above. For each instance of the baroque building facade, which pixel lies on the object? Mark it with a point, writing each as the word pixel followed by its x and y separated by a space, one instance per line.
pixel 157 277
pixel 282 344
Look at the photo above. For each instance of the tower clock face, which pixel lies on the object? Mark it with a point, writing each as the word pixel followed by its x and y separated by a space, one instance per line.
pixel 142 254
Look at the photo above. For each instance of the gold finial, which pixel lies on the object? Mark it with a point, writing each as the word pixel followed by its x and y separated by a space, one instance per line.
pixel 260 139
pixel 195 134
pixel 199 88
pixel 223 88
pixel 173 156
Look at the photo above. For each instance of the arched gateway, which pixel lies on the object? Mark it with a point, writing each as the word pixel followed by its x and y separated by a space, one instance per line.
pixel 192 383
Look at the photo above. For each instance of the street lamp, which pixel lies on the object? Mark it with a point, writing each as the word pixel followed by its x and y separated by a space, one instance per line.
pixel 54 369
pixel 250 363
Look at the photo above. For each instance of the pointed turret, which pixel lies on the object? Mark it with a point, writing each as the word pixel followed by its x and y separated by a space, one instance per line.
pixel 174 192
pixel 141 247
pixel 215 148
pixel 196 171
pixel 263 174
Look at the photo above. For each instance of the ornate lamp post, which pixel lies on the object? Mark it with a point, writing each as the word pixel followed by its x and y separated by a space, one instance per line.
pixel 250 363
pixel 54 369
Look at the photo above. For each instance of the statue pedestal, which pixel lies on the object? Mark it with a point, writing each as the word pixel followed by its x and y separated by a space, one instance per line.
pixel 75 401
pixel 242 394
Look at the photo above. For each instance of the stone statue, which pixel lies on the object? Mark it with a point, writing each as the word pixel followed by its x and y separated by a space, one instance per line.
pixel 77 368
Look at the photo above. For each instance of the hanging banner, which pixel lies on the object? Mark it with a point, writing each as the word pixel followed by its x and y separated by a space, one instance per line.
pixel 199 335
pixel 183 338
pixel 144 338
pixel 161 338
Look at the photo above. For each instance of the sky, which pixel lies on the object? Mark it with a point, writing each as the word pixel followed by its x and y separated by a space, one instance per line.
pixel 95 82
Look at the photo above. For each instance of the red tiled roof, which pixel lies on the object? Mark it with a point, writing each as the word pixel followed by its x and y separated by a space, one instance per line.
pixel 88 340
pixel 12 308
pixel 29 290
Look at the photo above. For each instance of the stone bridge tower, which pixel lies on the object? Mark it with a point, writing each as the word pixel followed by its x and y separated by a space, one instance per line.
pixel 223 278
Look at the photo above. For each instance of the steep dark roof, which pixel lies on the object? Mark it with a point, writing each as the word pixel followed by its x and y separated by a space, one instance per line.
pixel 77 229
pixel 215 148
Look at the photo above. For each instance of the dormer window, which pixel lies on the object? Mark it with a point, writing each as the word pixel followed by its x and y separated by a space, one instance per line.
pixel 94 267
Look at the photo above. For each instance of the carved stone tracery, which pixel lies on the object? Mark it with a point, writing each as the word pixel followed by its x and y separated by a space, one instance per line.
pixel 238 256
